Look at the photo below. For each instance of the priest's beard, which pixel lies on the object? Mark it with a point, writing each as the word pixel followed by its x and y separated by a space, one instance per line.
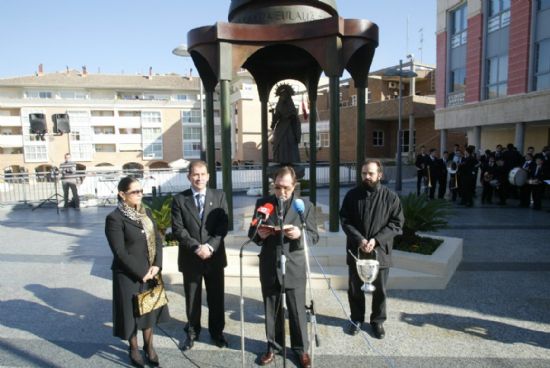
pixel 370 184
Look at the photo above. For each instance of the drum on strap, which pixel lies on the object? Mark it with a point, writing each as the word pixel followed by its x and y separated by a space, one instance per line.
pixel 518 176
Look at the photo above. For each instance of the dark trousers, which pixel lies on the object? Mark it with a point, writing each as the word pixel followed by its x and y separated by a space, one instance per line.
pixel 525 195
pixel 487 193
pixel 419 178
pixel 356 296
pixel 214 284
pixel 537 192
pixel 66 186
pixel 274 317
pixel 442 187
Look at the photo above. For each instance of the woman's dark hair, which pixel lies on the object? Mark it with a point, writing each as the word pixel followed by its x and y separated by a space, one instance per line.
pixel 124 185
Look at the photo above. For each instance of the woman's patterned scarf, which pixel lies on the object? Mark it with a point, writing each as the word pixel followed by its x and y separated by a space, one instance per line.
pixel 139 215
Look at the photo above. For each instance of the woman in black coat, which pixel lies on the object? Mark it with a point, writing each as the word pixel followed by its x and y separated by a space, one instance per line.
pixel 137 250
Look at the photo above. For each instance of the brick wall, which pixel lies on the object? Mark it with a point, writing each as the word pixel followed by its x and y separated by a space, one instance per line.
pixel 473 59
pixel 518 59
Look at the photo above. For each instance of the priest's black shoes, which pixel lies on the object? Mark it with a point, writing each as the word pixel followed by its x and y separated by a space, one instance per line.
pixel 378 330
pixel 354 328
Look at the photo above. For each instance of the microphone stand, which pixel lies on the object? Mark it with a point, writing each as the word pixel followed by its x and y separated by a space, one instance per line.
pixel 241 284
pixel 310 309
pixel 283 272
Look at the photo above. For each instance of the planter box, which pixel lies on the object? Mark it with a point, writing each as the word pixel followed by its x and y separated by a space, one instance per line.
pixel 410 270
pixel 170 272
pixel 429 271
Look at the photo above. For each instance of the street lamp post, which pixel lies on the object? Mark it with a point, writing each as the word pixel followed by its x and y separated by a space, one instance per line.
pixel 181 50
pixel 399 72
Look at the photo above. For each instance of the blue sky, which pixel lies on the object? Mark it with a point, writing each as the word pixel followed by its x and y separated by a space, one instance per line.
pixel 128 36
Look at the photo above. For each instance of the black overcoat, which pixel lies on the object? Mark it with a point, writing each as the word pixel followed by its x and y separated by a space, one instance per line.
pixel 130 264
pixel 371 214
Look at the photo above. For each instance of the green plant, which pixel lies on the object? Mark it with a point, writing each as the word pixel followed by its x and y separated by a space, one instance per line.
pixel 422 214
pixel 161 208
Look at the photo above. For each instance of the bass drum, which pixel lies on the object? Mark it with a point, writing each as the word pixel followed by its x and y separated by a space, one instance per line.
pixel 518 176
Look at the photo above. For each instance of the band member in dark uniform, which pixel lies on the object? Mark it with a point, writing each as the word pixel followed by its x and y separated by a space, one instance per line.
pixel 501 176
pixel 420 163
pixel 453 177
pixel 444 175
pixel 488 180
pixel 537 175
pixel 466 172
pixel 525 190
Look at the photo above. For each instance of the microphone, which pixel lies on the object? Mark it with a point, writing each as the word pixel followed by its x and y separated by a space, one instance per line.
pixel 299 207
pixel 262 213
pixel 281 207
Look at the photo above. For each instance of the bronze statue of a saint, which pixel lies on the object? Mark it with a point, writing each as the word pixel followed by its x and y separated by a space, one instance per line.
pixel 286 126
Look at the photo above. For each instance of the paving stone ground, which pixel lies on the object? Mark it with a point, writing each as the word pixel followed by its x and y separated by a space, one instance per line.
pixel 55 301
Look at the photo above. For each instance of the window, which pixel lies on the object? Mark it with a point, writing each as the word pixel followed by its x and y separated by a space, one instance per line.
pixel 378 138
pixel 497 76
pixel 324 139
pixel 73 95
pixel 191 116
pixel 499 15
pixel 192 133
pixel 354 100
pixel 39 94
pixel 104 130
pixel 152 143
pixel 544 4
pixel 542 69
pixel 36 153
pixel 405 140
pixel 151 117
pixel 184 97
pixel 104 148
pixel 458 80
pixel 459 24
pixel 80 139
pixel 191 149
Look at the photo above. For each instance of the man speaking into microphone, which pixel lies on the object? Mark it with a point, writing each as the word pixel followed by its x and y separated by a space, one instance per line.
pixel 268 235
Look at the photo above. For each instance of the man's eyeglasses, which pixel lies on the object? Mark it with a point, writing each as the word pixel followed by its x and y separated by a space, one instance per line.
pixel 135 192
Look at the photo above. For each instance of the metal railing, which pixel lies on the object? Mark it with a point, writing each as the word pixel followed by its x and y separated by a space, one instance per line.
pixel 100 187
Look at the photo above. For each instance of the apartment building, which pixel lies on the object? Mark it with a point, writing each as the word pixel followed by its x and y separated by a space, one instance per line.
pixel 382 114
pixel 493 80
pixel 124 121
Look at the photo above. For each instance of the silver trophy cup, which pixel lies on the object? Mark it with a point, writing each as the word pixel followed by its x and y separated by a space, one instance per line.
pixel 367 270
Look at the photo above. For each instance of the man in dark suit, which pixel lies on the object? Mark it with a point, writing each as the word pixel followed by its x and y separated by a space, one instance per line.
pixel 371 216
pixel 420 163
pixel 271 277
pixel 200 223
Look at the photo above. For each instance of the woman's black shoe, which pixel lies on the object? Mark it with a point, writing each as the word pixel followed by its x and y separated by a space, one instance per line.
pixel 153 358
pixel 135 358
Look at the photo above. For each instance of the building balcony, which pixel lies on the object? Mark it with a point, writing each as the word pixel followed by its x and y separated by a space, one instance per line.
pixel 13 121
pixel 125 139
pixel 11 141
pixel 419 106
pixel 129 122
pixel 102 120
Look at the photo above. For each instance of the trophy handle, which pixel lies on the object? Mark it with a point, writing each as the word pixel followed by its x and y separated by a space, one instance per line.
pixel 359 254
